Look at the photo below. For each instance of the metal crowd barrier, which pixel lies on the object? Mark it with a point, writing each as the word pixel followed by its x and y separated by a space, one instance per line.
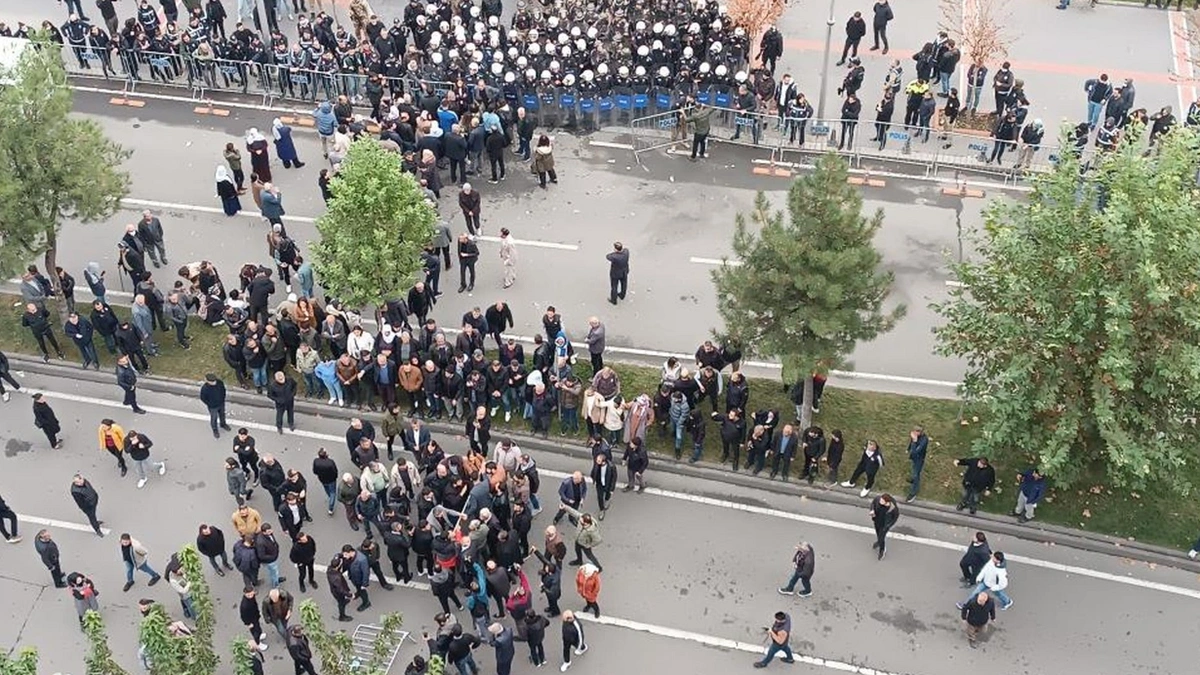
pixel 650 117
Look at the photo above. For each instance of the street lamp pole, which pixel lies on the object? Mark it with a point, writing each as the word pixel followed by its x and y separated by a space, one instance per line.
pixel 825 64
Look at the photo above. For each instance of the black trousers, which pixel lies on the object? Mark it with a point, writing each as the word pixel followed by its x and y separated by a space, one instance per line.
pixel 216 418
pixel 582 551
pixel 699 144
pixel 881 531
pixel 9 515
pixel 342 603
pixel 881 36
pixel 465 270
pixel 42 338
pixel 5 376
pixel 120 458
pixel 850 47
pixel 597 362
pixel 472 223
pixel 92 520
pixel 306 571
pixel 304 666
pixel 288 409
pixel 400 569
pixel 497 161
pixel 256 632
pixel 617 286
pixel 131 399
pixel 731 449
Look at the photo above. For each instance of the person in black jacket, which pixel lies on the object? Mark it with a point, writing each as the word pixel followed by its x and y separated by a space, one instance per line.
pixel 468 255
pixel 856 28
pixel 45 419
pixel 770 48
pixel 733 435
pixel 979 478
pixel 282 391
pixel 47 550
pixel 272 478
pixel 978 553
pixel 7 514
pixel 785 451
pixel 105 323
pixel 300 651
pixel 87 499
pixel 338 587
pixel 618 273
pixel 81 333
pixel 326 471
pixel 212 394
pixel 851 109
pixel 251 616
pixel 210 541
pixel 883 15
pixel 6 376
pixel 398 541
pixel 127 380
pixel 814 448
pixel 977 614
pixel 37 320
pixel 1003 136
pixel 833 455
pixel 129 340
pixel 636 462
pixel 304 555
pixel 884 514
pixel 454 148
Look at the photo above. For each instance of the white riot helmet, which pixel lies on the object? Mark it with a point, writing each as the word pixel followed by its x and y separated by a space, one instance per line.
pixel 469 48
pixel 716 24
pixel 533 35
pixel 704 67
pixel 575 31
pixel 552 21
pixel 453 54
pixel 535 49
pixel 569 80
pixel 431 9
pixel 421 19
pixel 721 70
pixel 623 71
pixel 531 74
pixel 493 21
pixel 688 52
pixel 602 69
pixel 478 38
pixel 566 51
pixel 551 49
pixel 664 72
pixel 494 40
pixel 581 45
pixel 555 66
pixel 658 28
pixel 643 51
pixel 460 34
pixel 498 56
pixel 436 58
pixel 723 10
pixel 435 39
pixel 740 77
pixel 473 68
pixel 513 52
pixel 587 76
pixel 694 28
pixel 510 77
pixel 563 38
pixel 546 75
pixel 444 27
pixel 657 46
pixel 640 71
pixel 522 62
pixel 641 26
pixel 715 48
pixel 739 31
pixel 477 56
pixel 592 33
pixel 475 12
pixel 497 68
pixel 670 30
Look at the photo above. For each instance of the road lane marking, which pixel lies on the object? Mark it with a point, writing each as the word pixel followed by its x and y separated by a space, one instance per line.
pixel 59 524
pixel 1181 54
pixel 174 206
pixel 716 261
pixel 697 499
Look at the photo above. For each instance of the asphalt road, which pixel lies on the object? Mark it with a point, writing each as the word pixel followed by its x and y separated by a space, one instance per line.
pixel 691 566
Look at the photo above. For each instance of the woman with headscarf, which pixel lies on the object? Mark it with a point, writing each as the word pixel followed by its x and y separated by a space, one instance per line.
pixel 284 147
pixel 228 192
pixel 260 155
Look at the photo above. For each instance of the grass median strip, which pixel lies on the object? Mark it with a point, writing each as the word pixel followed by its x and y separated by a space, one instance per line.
pixel 887 418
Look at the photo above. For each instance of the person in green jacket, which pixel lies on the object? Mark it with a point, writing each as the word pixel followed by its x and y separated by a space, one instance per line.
pixel 699 118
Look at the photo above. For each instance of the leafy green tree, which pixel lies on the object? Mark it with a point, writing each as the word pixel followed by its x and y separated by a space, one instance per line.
pixel 336 648
pixel 437 665
pixel 202 656
pixel 164 651
pixel 806 286
pixel 1077 318
pixel 56 167
pixel 243 656
pixel 374 230
pixel 23 663
pixel 99 660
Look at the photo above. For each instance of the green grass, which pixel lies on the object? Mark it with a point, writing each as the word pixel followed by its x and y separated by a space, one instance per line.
pixel 1152 517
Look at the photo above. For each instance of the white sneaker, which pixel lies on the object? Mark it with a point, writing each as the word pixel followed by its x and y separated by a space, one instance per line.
pixel 6 396
pixel 332 400
pixel 262 646
pixel 13 540
pixel 847 483
pixel 864 492
pixel 581 650
pixel 141 483
pixel 162 468
pixel 564 667
pixel 507 416
pixel 341 403
pixel 1193 553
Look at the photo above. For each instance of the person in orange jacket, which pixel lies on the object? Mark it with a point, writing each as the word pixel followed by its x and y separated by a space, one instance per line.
pixel 112 440
pixel 587 582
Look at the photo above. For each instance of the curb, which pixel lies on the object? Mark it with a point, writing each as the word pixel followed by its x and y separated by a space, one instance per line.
pixel 932 512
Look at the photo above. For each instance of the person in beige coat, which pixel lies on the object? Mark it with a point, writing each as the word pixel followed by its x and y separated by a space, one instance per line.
pixel 543 161
pixel 135 556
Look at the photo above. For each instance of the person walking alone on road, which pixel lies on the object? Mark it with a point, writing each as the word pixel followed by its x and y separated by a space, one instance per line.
pixel 637 460
pixel 804 560
pixel 212 394
pixel 884 514
pixel 210 542
pixel 45 419
pixel 779 633
pixel 587 582
pixel 112 440
pixel 88 500
pixel 856 29
pixel 137 446
pixel 993 578
pixel 976 614
pixel 572 639
pixel 700 118
pixel 468 255
pixel 127 378
pixel 918 447
pixel 7 514
pixel 508 256
pixel 135 556
pixel 618 273
pixel 282 391
pixel 543 161
pixel 470 202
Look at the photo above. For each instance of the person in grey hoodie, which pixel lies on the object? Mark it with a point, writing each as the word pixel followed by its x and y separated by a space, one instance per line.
pixel 326 123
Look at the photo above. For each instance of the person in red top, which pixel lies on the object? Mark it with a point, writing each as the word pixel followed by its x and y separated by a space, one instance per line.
pixel 587 582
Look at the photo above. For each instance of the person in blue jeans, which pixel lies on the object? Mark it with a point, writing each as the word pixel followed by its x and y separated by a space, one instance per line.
pixel 918 447
pixel 804 561
pixel 135 557
pixel 779 632
pixel 993 578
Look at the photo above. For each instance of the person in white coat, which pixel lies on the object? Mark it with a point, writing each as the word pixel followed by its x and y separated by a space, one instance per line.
pixel 993 578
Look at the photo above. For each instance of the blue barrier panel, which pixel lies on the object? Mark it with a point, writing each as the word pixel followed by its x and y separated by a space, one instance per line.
pixel 624 102
pixel 722 100
pixel 548 99
pixel 745 121
pixel 640 101
pixel 668 122
pixel 662 100
pixel 901 136
pixel 587 105
pixel 160 61
pixel 567 100
pixel 606 104
pixel 819 129
pixel 703 97
pixel 531 102
pixel 979 147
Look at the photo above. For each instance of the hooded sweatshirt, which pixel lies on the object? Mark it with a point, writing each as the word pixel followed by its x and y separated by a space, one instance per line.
pixel 325 119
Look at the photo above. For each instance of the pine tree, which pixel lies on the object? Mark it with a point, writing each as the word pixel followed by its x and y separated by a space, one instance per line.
pixel 807 286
